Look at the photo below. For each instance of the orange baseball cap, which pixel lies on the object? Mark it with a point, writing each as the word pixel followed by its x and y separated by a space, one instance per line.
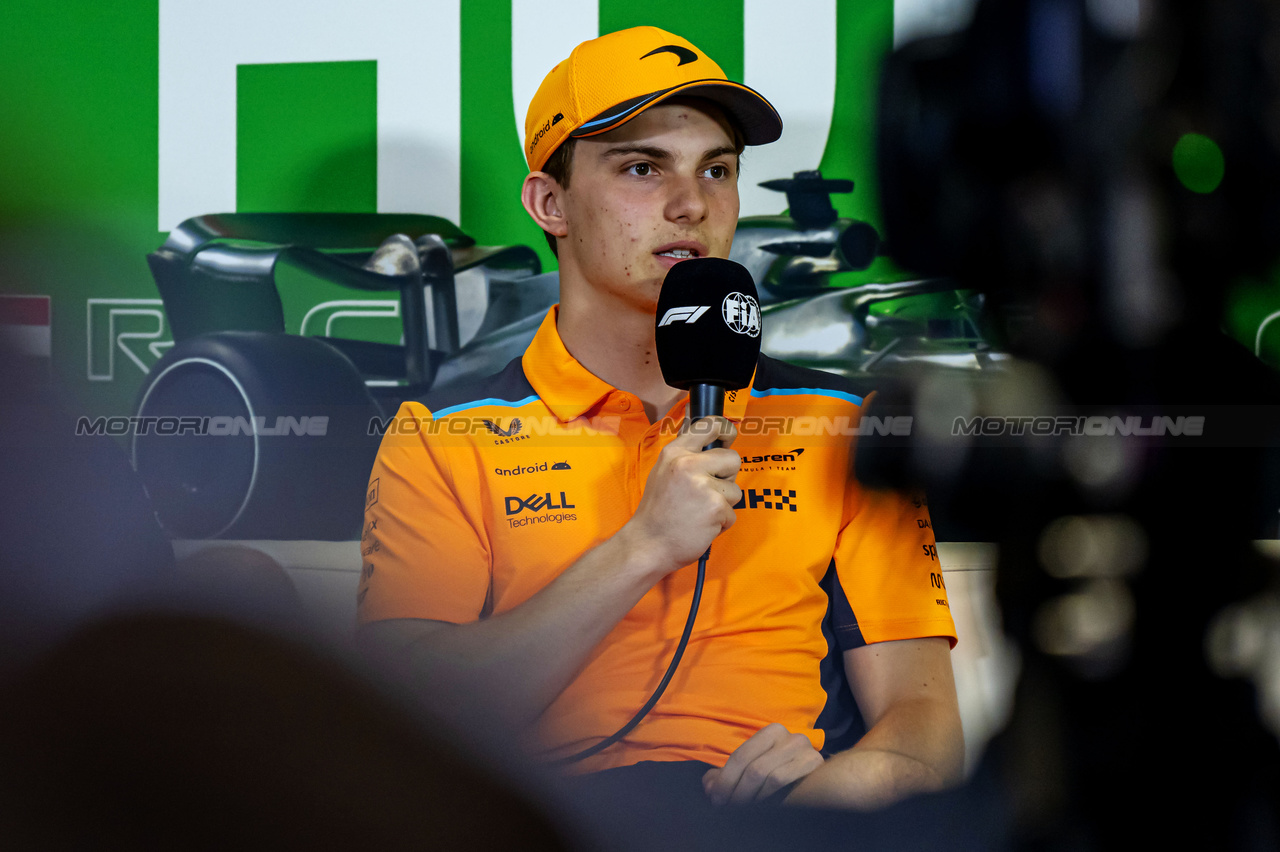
pixel 609 80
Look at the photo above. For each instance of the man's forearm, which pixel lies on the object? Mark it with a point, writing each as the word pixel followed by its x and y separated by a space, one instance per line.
pixel 865 779
pixel 916 747
pixel 510 667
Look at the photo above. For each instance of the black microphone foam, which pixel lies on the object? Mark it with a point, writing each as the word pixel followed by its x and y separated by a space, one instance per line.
pixel 708 324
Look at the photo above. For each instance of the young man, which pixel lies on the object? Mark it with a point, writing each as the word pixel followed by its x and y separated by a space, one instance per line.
pixel 535 571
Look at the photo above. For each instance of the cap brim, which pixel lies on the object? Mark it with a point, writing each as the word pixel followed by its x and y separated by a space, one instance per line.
pixel 754 116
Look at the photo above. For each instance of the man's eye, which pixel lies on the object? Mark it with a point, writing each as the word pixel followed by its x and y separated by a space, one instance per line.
pixel 640 169
pixel 718 172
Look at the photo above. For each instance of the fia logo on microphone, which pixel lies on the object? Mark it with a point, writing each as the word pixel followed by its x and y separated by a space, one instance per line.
pixel 741 313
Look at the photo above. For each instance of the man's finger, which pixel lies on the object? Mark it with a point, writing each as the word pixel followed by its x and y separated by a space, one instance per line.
pixel 703 431
pixel 717 464
pixel 788 760
pixel 759 743
pixel 793 770
pixel 732 493
pixel 722 464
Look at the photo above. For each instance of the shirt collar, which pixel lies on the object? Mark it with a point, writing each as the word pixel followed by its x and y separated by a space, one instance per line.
pixel 568 388
pixel 571 390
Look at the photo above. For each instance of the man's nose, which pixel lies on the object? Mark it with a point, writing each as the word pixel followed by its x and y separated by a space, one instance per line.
pixel 687 202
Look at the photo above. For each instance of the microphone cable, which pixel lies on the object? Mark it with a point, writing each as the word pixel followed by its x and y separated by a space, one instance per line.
pixel 666 678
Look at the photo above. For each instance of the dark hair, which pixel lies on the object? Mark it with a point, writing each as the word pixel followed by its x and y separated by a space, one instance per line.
pixel 560 166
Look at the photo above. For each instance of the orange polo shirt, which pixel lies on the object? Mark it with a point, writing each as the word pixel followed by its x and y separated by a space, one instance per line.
pixel 476 505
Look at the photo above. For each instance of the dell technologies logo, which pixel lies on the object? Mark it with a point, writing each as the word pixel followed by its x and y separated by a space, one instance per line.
pixel 544 509
pixel 536 503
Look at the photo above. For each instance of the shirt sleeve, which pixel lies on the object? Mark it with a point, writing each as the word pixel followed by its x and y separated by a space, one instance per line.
pixel 424 551
pixel 889 582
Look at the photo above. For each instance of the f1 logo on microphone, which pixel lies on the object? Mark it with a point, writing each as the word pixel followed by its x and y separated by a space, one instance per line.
pixel 689 314
pixel 534 503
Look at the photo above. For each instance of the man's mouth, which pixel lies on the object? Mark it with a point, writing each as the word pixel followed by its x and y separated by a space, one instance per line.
pixel 680 253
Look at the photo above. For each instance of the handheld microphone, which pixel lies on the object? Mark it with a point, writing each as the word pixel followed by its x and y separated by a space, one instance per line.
pixel 708 331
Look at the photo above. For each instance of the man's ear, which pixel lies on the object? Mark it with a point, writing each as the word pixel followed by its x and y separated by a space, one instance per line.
pixel 541 198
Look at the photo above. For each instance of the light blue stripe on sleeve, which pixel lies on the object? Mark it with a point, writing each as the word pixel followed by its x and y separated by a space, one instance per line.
pixel 848 397
pixel 505 403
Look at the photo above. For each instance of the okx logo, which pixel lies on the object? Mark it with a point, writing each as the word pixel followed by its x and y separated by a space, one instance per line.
pixel 537 503
pixel 768 498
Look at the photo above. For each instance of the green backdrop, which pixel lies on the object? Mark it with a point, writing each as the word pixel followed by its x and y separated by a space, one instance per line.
pixel 79 155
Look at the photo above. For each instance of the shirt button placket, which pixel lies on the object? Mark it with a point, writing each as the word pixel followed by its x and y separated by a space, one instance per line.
pixel 647 452
pixel 634 483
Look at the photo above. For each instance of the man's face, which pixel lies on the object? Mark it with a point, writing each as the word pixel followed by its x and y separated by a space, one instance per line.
pixel 659 189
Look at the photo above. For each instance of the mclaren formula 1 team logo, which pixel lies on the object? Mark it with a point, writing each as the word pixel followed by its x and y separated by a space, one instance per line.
pixel 771 461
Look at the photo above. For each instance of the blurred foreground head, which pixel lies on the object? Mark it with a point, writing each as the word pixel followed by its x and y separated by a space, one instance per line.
pixel 182 732
pixel 1108 162
pixel 1102 170
pixel 77 533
